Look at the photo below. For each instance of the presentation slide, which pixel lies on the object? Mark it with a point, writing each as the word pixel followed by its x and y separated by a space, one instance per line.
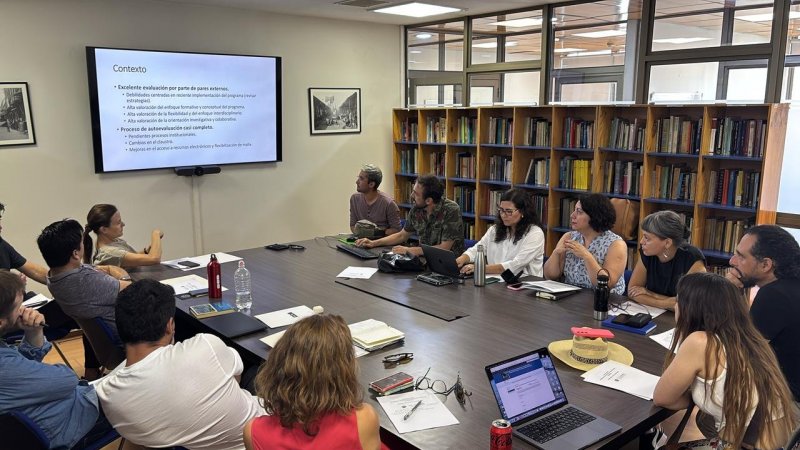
pixel 163 109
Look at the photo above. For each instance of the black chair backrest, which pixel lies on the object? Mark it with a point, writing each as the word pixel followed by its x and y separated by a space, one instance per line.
pixel 106 346
pixel 794 440
pixel 20 433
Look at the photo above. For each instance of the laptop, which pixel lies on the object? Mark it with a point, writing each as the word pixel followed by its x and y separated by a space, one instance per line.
pixel 530 396
pixel 442 263
pixel 234 325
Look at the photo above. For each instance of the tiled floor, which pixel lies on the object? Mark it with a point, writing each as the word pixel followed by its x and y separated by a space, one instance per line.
pixel 72 348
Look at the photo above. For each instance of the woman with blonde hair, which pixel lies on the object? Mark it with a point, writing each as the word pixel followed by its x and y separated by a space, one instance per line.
pixel 106 222
pixel 309 387
pixel 719 361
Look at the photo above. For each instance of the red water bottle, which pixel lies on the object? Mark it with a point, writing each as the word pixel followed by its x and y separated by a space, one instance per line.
pixel 214 278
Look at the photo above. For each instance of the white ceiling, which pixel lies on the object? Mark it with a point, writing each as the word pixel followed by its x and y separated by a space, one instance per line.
pixel 329 9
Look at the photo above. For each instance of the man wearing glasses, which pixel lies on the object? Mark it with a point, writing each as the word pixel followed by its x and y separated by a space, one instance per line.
pixel 435 219
pixel 11 259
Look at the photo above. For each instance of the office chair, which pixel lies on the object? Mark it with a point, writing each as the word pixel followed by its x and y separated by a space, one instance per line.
pixel 21 433
pixel 627 277
pixel 469 243
pixel 794 440
pixel 106 345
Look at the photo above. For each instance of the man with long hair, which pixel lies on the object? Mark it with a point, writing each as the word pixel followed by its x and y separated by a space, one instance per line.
pixel 769 257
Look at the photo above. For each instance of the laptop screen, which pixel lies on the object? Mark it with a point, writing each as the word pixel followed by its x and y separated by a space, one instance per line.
pixel 526 385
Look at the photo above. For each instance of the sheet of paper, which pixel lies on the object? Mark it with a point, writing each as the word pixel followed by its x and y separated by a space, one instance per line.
pixel 186 283
pixel 201 261
pixel 431 413
pixel 273 339
pixel 285 317
pixel 37 301
pixel 358 272
pixel 664 339
pixel 623 378
pixel 632 308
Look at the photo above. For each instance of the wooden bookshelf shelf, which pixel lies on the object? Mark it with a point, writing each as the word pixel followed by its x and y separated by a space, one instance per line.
pixel 531 147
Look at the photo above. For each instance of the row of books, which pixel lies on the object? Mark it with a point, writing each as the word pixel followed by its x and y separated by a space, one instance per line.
pixel 724 234
pixel 575 173
pixel 567 206
pixel 734 187
pixel 465 165
pixel 465 197
pixel 408 130
pixel 493 199
pixel 578 133
pixel 500 168
pixel 435 129
pixel 469 229
pixel 623 177
pixel 408 160
pixel 437 163
pixel 626 135
pixel 536 132
pixel 501 129
pixel 540 206
pixel 466 128
pixel 738 137
pixel 674 182
pixel 538 172
pixel 678 134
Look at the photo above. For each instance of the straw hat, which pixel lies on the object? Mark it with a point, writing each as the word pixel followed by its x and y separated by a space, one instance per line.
pixel 587 353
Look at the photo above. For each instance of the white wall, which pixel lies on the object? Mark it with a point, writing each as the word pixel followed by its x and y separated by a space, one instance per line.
pixel 245 206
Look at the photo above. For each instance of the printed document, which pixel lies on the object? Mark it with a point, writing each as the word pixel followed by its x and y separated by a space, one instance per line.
pixel 187 283
pixel 273 339
pixel 550 286
pixel 358 272
pixel 431 413
pixel 201 261
pixel 37 301
pixel 664 339
pixel 635 308
pixel 623 378
pixel 285 317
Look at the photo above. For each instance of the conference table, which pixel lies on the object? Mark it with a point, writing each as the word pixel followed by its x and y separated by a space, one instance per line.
pixel 454 329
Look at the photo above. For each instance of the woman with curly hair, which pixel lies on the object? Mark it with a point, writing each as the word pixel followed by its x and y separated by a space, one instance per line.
pixel 310 389
pixel 719 361
pixel 590 247
pixel 515 241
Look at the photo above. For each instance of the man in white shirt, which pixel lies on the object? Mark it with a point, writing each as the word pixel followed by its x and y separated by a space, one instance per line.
pixel 173 394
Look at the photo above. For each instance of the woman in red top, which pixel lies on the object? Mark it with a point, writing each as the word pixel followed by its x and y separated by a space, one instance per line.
pixel 310 389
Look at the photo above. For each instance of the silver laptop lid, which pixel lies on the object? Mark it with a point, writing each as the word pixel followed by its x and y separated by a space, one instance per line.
pixel 526 386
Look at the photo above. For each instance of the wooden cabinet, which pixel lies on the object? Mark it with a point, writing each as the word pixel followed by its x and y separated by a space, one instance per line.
pixel 717 165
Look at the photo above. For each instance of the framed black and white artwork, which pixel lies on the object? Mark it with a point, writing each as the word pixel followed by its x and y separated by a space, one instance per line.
pixel 16 123
pixel 335 110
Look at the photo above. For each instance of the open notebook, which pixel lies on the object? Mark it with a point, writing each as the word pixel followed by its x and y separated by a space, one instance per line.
pixel 371 334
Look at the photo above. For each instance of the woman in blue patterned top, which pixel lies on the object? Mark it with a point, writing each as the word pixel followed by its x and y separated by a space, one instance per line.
pixel 591 246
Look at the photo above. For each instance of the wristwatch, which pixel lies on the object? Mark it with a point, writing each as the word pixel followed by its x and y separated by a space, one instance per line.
pixel 125 278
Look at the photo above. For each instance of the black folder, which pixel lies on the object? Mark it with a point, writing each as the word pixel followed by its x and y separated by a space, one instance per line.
pixel 234 325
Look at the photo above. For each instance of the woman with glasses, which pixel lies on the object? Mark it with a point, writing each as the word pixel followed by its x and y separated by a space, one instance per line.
pixel 721 363
pixel 590 247
pixel 515 242
pixel 310 389
pixel 664 257
pixel 112 250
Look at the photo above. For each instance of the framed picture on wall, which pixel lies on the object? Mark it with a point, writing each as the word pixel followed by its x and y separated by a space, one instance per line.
pixel 334 110
pixel 16 122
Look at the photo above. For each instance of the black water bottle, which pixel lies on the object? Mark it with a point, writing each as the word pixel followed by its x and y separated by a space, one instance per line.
pixel 601 295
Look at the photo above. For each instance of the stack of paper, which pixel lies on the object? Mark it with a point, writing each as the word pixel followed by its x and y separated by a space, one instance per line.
pixel 37 301
pixel 285 317
pixel 553 287
pixel 635 308
pixel 371 334
pixel 623 378
pixel 198 262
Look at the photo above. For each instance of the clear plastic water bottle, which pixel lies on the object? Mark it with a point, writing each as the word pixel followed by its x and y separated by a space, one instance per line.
pixel 241 281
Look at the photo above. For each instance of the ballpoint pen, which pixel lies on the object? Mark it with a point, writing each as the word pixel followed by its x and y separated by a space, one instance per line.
pixel 414 408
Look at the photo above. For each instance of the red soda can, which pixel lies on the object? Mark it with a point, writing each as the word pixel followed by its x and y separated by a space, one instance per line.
pixel 500 435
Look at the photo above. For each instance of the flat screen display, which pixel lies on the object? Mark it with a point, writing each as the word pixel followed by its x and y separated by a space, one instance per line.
pixel 157 109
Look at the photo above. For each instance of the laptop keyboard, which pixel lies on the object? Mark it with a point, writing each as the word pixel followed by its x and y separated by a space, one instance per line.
pixel 554 425
pixel 357 251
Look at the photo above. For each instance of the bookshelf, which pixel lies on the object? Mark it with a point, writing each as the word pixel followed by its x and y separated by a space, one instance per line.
pixel 716 165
